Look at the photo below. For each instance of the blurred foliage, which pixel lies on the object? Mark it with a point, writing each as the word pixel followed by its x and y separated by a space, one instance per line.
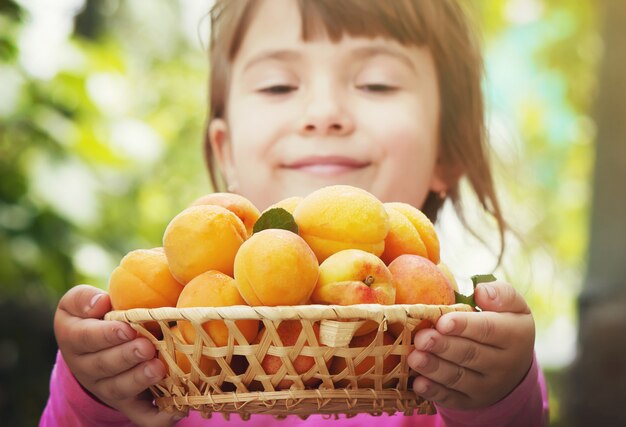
pixel 100 143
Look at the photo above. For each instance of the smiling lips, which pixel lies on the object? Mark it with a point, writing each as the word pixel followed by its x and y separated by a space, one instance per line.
pixel 327 165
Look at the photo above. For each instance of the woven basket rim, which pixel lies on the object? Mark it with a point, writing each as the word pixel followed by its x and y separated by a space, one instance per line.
pixel 376 312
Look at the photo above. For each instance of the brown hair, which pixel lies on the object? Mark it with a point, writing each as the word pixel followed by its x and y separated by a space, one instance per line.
pixel 440 25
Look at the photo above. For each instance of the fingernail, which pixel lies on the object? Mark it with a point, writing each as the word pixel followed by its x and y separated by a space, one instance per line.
pixel 93 301
pixel 122 335
pixel 420 360
pixel 447 327
pixel 429 344
pixel 491 291
pixel 148 371
pixel 140 355
pixel 419 387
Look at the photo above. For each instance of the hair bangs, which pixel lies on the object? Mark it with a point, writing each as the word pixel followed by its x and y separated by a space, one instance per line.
pixel 399 20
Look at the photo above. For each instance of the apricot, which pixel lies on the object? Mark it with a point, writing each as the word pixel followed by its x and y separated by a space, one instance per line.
pixel 239 205
pixel 275 267
pixel 368 364
pixel 341 217
pixel 289 333
pixel 424 227
pixel 403 237
pixel 203 238
pixel 143 280
pixel 420 281
pixel 207 366
pixel 353 276
pixel 451 279
pixel 289 204
pixel 214 289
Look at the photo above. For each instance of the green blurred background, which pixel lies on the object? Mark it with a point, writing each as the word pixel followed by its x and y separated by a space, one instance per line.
pixel 102 108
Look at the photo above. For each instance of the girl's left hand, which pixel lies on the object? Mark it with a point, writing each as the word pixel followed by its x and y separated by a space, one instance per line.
pixel 472 360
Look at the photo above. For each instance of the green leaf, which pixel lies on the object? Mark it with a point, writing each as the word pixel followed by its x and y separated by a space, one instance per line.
pixel 469 299
pixel 483 278
pixel 276 218
pixel 465 299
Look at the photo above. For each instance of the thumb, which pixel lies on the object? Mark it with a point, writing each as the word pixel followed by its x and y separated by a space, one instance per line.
pixel 86 302
pixel 500 297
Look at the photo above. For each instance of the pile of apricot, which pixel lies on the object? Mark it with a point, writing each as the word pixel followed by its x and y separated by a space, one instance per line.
pixel 348 248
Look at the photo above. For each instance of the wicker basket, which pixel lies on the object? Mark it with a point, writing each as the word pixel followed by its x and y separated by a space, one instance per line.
pixel 240 384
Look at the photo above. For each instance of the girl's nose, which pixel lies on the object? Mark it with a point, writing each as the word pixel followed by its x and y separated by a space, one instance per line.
pixel 325 114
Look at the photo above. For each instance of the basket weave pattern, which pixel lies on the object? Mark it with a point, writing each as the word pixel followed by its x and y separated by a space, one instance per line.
pixel 241 385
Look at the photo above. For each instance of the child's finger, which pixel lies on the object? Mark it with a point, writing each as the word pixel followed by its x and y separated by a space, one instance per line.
pixel 439 394
pixel 132 382
pixel 500 297
pixel 92 335
pixel 86 302
pixel 460 351
pixel 113 361
pixel 441 371
pixel 495 329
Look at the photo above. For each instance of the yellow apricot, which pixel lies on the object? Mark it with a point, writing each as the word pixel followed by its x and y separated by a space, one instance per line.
pixel 239 205
pixel 341 217
pixel 275 267
pixel 203 238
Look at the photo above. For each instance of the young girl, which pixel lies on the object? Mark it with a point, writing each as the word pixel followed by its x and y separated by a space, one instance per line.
pixel 383 95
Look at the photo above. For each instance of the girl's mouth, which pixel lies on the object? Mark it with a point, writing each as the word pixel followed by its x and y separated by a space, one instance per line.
pixel 326 165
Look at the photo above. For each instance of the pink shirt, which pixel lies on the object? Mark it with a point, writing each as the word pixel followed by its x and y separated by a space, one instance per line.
pixel 527 405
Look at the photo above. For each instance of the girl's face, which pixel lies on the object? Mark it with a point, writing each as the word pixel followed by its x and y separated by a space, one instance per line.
pixel 303 115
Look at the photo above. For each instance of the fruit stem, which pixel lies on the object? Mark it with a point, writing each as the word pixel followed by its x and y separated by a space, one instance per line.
pixel 369 280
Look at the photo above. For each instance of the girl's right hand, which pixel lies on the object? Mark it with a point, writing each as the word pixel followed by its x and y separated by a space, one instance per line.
pixel 107 358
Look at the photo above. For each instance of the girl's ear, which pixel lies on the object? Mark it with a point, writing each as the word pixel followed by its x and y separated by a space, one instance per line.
pixel 221 146
pixel 438 184
pixel 445 176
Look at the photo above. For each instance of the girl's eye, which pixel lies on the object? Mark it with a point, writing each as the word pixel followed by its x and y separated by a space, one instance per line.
pixel 278 89
pixel 377 87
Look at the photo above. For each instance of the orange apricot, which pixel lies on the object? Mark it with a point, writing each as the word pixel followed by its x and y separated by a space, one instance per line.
pixel 214 289
pixel 424 227
pixel 207 366
pixel 289 332
pixel 275 267
pixel 403 237
pixel 367 365
pixel 419 281
pixel 203 238
pixel 143 280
